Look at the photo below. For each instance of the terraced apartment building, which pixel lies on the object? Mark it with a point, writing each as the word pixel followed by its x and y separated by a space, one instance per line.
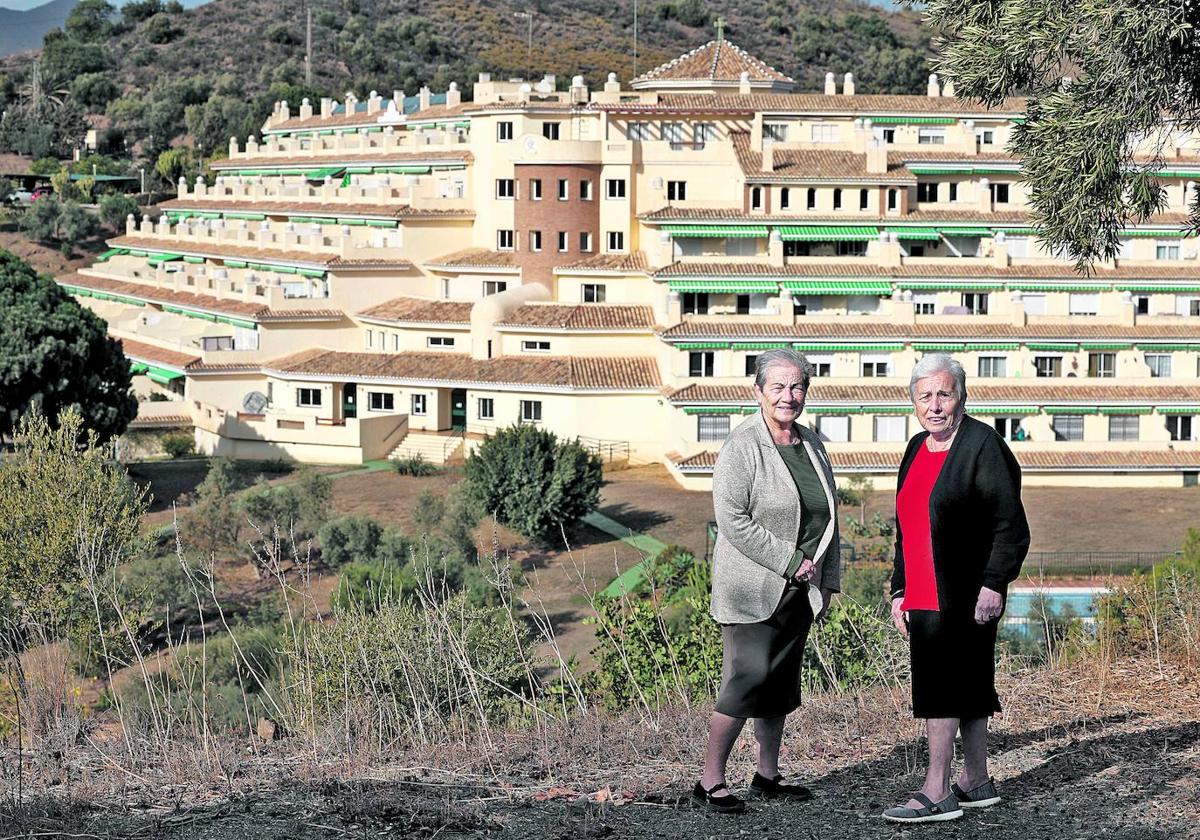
pixel 410 273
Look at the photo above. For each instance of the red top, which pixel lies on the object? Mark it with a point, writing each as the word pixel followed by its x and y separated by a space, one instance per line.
pixel 912 509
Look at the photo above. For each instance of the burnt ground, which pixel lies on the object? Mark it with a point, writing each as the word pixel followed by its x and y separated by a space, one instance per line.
pixel 1082 752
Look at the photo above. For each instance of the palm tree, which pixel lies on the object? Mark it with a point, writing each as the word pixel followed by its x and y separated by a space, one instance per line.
pixel 37 92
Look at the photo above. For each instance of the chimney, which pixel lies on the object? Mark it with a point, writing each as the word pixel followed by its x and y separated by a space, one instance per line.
pixel 453 95
pixel 306 110
pixel 251 145
pixel 768 157
pixel 579 91
pixel 326 106
pixel 233 147
pixel 398 97
pixel 284 112
pixel 932 88
pixel 744 83
pixel 351 102
pixel 612 85
pixel 423 96
pixel 848 85
pixel 877 157
pixel 374 103
pixel 830 85
pixel 948 88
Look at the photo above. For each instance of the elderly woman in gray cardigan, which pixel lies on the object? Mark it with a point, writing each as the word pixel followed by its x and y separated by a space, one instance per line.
pixel 775 567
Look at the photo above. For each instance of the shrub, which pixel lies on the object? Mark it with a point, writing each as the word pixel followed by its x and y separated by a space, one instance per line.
pixel 416 465
pixel 115 207
pixel 369 584
pixel 459 521
pixel 350 539
pixel 532 481
pixel 178 444
pixel 428 511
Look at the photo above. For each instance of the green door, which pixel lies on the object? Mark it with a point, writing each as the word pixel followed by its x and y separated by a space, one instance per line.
pixel 458 409
pixel 350 400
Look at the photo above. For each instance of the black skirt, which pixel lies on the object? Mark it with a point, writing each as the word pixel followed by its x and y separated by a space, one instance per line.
pixel 953 665
pixel 760 673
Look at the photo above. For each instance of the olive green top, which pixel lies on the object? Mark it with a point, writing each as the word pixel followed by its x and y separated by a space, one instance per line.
pixel 814 507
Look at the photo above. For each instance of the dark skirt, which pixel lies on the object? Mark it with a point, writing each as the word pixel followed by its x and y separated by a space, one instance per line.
pixel 760 673
pixel 953 665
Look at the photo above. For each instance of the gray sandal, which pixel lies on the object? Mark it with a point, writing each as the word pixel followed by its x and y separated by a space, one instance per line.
pixel 947 809
pixel 983 796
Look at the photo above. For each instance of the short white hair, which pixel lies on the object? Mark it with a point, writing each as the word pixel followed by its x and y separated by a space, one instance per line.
pixel 933 364
pixel 782 357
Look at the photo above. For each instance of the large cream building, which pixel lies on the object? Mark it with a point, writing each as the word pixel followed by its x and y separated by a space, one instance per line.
pixel 406 274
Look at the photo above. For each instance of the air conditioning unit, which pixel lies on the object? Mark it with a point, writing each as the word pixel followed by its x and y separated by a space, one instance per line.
pixel 657 183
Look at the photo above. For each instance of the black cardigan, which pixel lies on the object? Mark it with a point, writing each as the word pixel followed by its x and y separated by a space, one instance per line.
pixel 980 534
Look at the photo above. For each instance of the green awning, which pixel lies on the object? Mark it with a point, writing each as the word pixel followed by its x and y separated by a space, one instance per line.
pixel 1096 345
pixel 1125 409
pixel 1158 348
pixel 156 259
pixel 1071 409
pixel 323 173
pixel 703 345
pixel 894 120
pixel 762 345
pixel 310 272
pixel 352 222
pixel 996 170
pixel 1179 409
pixel 1017 231
pixel 939 347
pixel 985 347
pixel 163 376
pixel 235 263
pixel 833 409
pixel 194 260
pixel 1148 288
pixel 314 220
pixel 994 410
pixel 1070 348
pixel 403 170
pixel 110 253
pixel 1177 173
pixel 1157 234
pixel 951 285
pixel 249 217
pixel 381 223
pixel 935 170
pixel 711 409
pixel 138 367
pixel 901 408
pixel 744 287
pixel 237 322
pixel 839 287
pixel 847 348
pixel 828 233
pixel 965 231
pixel 922 233
pixel 717 231
pixel 1059 287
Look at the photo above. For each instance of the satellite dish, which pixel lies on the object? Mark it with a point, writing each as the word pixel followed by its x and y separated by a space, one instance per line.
pixel 254 402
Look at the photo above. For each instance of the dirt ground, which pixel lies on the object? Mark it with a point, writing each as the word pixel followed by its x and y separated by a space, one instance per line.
pixel 48 258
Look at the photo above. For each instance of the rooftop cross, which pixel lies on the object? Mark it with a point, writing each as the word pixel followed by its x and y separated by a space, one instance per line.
pixel 720 24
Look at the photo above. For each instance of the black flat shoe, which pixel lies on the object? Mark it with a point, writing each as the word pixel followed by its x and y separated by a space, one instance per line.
pixel 777 787
pixel 725 804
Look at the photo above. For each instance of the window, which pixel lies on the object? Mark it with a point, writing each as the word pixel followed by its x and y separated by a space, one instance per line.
pixel 673 133
pixel 1180 427
pixel 494 287
pixel 874 367
pixel 891 199
pixel 785 198
pixel 585 241
pixel 1009 428
pixel 976 303
pixel 931 136
pixel 1159 364
pixel 695 303
pixel 504 131
pixel 370 339
pixel 1166 251
pixel 639 131
pixel 485 408
pixel 825 133
pixel 927 191
pixel 837 198
pixel 993 366
pixel 585 189
pixel 535 240
pixel 1034 304
pixel 924 303
pixel 985 137
pixel 504 240
pixel 535 189
pixel 506 188
pixel 535 346
pixel 550 130
pixel 1123 427
pixel 439 341
pixel 616 240
pixel 810 201
pixel 953 190
pixel 850 249
pixel 711 427
pixel 1067 426
pixel 593 292
pixel 797 249
pixel 751 364
pixel 1084 304
pixel 614 187
pixel 564 189
pixel 864 197
pixel 380 401
pixel 418 404
pixel 1187 305
pixel 999 193
pixel 775 132
pixel 1047 365
pixel 822 365
pixel 676 190
pixel 890 429
pixel 218 342
pixel 1102 365
pixel 756 198
pixel 1142 304
pixel 308 397
pixel 887 136
pixel 562 241
pixel 395 342
pixel 703 133
pixel 833 428
pixel 700 363
pixel 916 250
pixel 862 304
pixel 531 411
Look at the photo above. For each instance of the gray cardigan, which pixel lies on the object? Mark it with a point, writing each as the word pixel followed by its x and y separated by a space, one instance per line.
pixel 758 519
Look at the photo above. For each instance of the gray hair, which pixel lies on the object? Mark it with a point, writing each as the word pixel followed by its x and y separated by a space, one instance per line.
pixel 933 364
pixel 781 356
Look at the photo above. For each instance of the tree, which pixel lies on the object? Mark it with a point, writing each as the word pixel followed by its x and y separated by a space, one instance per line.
pixel 160 29
pixel 1132 65
pixel 75 224
pixel 90 20
pixel 221 117
pixel 115 208
pixel 532 481
pixel 173 164
pixel 40 219
pixel 94 90
pixel 54 354
pixel 136 11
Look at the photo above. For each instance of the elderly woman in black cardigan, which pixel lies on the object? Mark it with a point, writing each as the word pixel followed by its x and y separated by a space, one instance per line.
pixel 961 536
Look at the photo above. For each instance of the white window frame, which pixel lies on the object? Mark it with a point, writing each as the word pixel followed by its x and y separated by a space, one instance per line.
pixel 639 131
pixel 925 303
pixel 1118 425
pixel 585 241
pixel 506 188
pixel 552 130
pixel 531 411
pixel 823 133
pixel 386 401
pixel 535 240
pixel 535 345
pixel 834 428
pixel 1166 249
pixel 490 404
pixel 494 287
pixel 314 398
pixel 1083 303
pixel 1050 357
pixel 420 405
pixel 890 428
pixel 504 131
pixel 585 189
pixel 1160 364
pixel 506 240
pixel 710 428
pixel 439 342
pixel 598 292
pixel 535 189
pixel 993 367
pixel 564 189
pixel 931 136
pixel 676 190
pixel 614 189
pixel 616 241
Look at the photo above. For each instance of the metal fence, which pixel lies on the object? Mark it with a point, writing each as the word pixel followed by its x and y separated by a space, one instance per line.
pixel 608 450
pixel 1092 563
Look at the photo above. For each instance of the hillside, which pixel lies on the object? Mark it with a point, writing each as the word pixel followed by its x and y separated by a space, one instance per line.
pixel 22 30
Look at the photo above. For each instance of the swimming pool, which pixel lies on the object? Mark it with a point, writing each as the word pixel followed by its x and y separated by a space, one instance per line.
pixel 1022 607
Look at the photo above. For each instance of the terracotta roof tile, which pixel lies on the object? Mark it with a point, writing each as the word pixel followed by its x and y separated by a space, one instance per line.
pixel 475 258
pixel 718 60
pixel 326 158
pixel 814 165
pixel 969 268
pixel 379 262
pixel 925 217
pixel 1029 459
pixel 635 261
pixel 362 118
pixel 848 329
pixel 822 393
pixel 313 208
pixel 221 250
pixel 581 317
pixel 564 372
pixel 158 355
pixel 864 105
pixel 162 421
pixel 418 310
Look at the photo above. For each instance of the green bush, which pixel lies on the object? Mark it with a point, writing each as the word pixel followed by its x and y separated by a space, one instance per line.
pixel 428 511
pixel 349 539
pixel 533 482
pixel 178 444
pixel 416 465
pixel 368 584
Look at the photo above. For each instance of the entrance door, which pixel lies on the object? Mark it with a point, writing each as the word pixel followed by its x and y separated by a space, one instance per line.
pixel 458 409
pixel 350 400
